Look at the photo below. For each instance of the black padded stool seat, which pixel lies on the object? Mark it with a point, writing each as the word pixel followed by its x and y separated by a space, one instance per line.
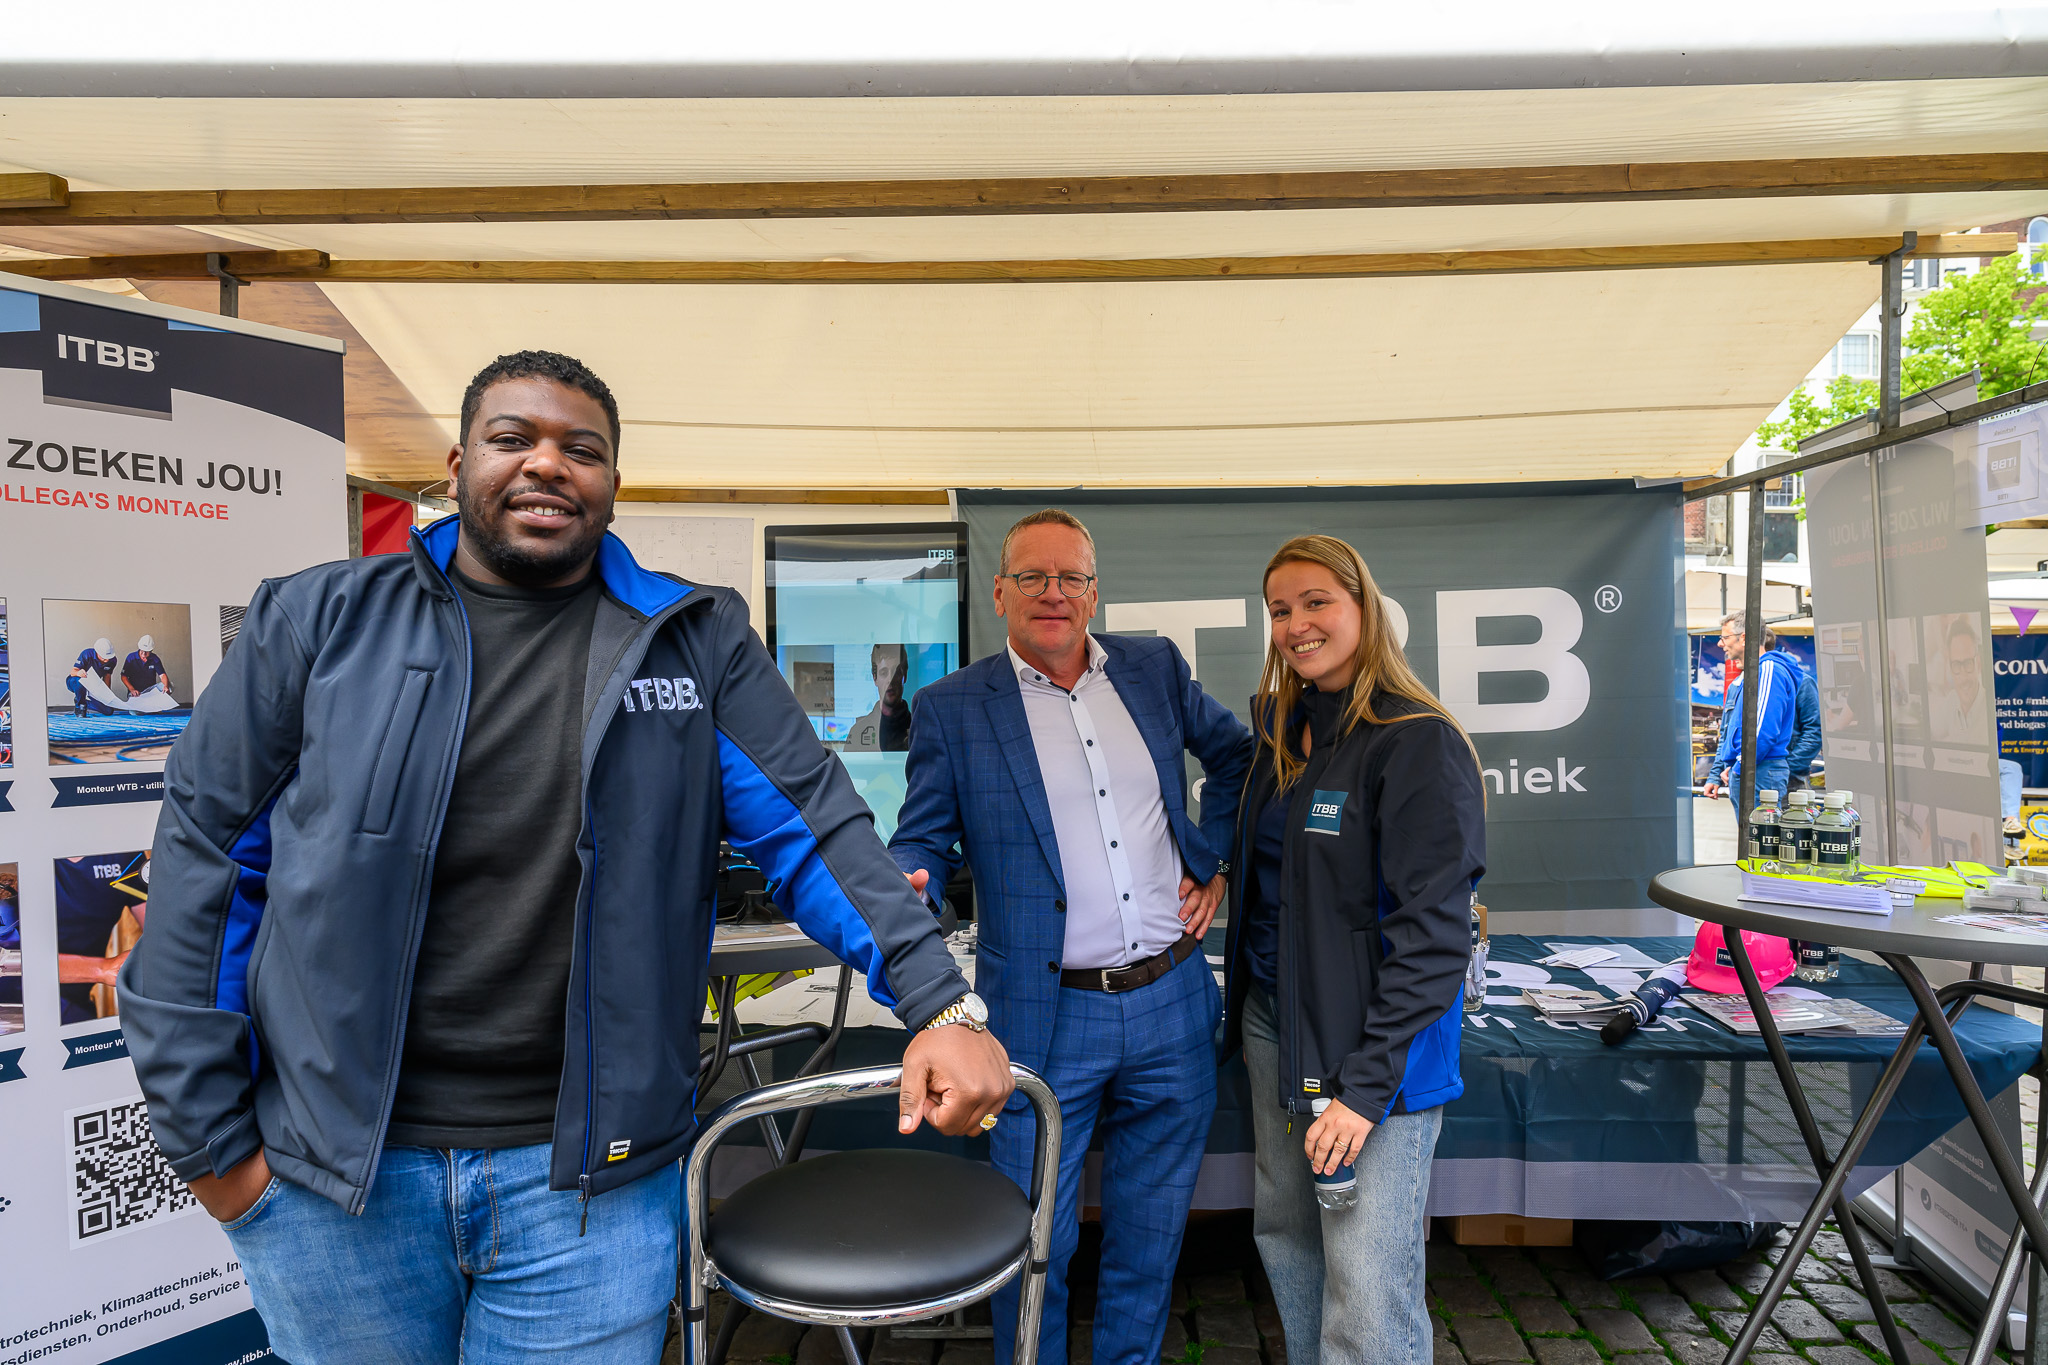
pixel 869 1229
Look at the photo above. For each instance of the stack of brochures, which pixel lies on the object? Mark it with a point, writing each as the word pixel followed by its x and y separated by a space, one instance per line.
pixel 1568 1004
pixel 1830 1018
pixel 1817 893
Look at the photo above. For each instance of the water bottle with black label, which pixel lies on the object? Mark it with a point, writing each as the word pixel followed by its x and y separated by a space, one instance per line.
pixel 1795 835
pixel 1817 961
pixel 1763 830
pixel 1339 1189
pixel 1834 839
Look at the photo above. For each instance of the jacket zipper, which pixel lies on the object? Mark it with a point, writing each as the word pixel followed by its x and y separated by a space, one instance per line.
pixel 1287 1023
pixel 629 660
pixel 419 906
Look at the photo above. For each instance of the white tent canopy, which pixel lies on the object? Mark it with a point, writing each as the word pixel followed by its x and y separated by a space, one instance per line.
pixel 1429 379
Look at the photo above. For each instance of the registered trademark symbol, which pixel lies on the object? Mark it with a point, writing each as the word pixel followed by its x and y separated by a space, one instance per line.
pixel 1608 598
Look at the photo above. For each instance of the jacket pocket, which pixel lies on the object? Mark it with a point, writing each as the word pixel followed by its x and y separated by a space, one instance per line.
pixel 405 718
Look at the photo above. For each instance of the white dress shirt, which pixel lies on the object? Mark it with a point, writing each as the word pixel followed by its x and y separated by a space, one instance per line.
pixel 1117 856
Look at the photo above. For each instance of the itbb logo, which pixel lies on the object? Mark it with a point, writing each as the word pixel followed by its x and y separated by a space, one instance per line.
pixel 111 354
pixel 1460 658
pixel 663 694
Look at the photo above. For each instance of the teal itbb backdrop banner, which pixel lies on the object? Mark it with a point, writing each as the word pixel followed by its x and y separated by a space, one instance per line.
pixel 1545 616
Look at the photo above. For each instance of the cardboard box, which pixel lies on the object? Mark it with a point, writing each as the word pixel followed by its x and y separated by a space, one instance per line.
pixel 1509 1230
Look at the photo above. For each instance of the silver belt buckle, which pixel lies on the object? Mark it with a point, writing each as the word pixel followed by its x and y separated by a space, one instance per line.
pixel 1106 986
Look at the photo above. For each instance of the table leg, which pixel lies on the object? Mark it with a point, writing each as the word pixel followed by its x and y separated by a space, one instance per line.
pixel 2007 1281
pixel 2008 1170
pixel 1823 1166
pixel 827 1053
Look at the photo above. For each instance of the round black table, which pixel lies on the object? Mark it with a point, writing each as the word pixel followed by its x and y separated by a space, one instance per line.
pixel 1714 894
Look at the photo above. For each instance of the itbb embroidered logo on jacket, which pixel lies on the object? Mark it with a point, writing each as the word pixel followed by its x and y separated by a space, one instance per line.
pixel 662 694
pixel 1326 813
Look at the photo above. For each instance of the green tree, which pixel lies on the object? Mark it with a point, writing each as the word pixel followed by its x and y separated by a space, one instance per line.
pixel 1983 322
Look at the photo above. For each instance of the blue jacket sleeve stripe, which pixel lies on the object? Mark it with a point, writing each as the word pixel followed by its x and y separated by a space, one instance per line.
pixel 246 903
pixel 766 825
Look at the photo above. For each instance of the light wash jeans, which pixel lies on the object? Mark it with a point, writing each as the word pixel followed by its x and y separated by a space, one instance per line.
pixel 464 1256
pixel 1348 1282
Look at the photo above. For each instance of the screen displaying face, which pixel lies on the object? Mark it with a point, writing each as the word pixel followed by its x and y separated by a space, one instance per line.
pixel 859 619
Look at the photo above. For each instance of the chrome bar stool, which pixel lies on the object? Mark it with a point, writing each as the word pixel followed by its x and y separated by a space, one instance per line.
pixel 867 1238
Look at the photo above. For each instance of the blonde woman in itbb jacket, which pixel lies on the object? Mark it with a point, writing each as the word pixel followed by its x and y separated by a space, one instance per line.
pixel 1361 838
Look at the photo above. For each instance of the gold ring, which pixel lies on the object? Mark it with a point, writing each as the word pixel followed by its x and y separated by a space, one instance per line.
pixel 988 1121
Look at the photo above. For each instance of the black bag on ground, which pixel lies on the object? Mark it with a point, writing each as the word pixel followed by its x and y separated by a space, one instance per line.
pixel 1616 1249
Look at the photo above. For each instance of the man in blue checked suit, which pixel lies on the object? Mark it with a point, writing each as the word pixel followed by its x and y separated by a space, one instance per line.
pixel 1056 769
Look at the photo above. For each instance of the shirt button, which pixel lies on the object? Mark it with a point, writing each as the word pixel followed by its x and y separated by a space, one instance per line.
pixel 1127 895
pixel 1091 743
pixel 1112 843
pixel 1103 792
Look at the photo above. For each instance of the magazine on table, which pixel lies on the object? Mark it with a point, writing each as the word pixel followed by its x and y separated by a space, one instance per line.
pixel 1572 1003
pixel 2034 925
pixel 1833 1017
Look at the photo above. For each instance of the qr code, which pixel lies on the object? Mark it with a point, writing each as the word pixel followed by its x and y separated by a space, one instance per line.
pixel 119 1180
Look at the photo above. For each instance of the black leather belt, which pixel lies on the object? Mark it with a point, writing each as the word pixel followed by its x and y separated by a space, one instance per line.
pixel 1129 978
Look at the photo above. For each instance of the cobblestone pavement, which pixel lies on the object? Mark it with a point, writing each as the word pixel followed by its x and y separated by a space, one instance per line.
pixel 1490 1306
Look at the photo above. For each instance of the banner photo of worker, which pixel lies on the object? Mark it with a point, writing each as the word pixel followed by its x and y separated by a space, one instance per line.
pixel 114 702
pixel 155 465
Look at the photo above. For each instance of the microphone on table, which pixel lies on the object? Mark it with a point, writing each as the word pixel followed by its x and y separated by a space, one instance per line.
pixel 1646 1004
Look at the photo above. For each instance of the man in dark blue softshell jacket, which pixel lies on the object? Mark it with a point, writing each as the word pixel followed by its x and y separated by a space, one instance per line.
pixel 431 907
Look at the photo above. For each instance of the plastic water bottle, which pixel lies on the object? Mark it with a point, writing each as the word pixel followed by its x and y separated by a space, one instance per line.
pixel 1339 1190
pixel 1795 835
pixel 1763 830
pixel 1475 967
pixel 1817 961
pixel 1855 830
pixel 1834 839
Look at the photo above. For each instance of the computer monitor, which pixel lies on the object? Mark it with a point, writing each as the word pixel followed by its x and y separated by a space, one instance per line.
pixel 859 618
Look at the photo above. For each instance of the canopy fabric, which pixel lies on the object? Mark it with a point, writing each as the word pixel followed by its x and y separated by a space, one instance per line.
pixel 811 48
pixel 1597 374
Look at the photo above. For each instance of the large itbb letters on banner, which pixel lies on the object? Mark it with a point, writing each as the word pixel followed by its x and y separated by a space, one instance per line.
pixel 1545 621
pixel 155 465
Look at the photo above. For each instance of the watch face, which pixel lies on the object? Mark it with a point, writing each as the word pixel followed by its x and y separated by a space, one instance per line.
pixel 974 1007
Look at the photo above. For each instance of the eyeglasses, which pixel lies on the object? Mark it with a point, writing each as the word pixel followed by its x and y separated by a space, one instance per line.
pixel 1031 583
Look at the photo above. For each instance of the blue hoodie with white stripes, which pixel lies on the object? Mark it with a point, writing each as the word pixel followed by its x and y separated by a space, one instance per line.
pixel 1777 718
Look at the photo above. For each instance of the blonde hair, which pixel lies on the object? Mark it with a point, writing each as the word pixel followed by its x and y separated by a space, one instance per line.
pixel 1051 516
pixel 1378 666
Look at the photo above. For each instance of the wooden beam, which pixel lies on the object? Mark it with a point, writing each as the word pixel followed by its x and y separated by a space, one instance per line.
pixel 33 190
pixel 816 497
pixel 317 266
pixel 1873 175
pixel 182 265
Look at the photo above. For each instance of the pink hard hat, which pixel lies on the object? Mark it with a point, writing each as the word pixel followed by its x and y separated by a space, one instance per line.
pixel 1709 968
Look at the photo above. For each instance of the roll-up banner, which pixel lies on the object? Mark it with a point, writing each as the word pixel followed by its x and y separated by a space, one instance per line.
pixel 155 465
pixel 1546 617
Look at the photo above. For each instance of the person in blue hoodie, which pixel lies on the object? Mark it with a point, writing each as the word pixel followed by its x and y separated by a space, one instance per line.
pixel 1805 734
pixel 1777 717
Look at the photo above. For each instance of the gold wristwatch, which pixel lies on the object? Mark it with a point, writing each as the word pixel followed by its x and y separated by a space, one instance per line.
pixel 969 1009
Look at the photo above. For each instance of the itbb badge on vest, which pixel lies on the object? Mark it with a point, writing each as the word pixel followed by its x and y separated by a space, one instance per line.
pixel 1326 813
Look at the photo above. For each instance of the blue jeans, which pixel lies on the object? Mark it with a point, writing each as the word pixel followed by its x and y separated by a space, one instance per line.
pixel 1348 1282
pixel 1139 1067
pixel 464 1255
pixel 1772 775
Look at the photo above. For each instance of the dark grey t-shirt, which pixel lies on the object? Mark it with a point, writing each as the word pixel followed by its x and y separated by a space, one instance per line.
pixel 483 1041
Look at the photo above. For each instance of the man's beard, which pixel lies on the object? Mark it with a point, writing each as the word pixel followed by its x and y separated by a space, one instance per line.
pixel 527 566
